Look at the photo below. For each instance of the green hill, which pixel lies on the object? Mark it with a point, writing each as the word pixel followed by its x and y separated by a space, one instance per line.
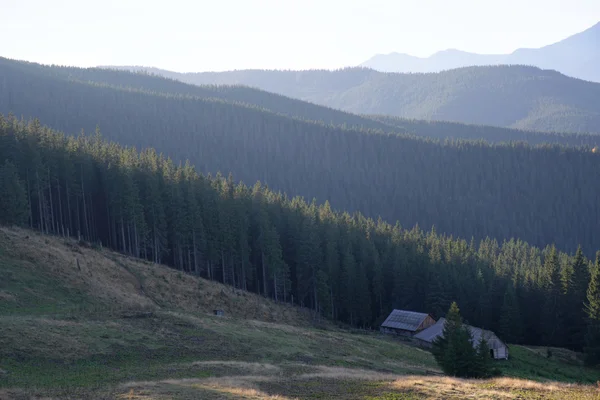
pixel 152 81
pixel 77 322
pixel 464 189
pixel 240 95
pixel 347 267
pixel 508 96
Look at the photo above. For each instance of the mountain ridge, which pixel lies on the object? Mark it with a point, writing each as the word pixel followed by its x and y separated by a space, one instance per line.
pixel 513 96
pixel 574 56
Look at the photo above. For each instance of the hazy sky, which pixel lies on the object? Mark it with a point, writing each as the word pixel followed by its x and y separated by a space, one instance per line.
pixel 291 34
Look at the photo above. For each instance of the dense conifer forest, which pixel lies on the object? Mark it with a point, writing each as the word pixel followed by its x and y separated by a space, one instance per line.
pixel 543 195
pixel 243 95
pixel 344 266
pixel 510 96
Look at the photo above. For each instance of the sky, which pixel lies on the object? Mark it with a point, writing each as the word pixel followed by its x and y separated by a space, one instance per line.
pixel 218 35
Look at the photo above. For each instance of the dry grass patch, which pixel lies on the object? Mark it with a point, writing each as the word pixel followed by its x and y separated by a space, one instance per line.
pixel 339 373
pixel 501 388
pixel 74 266
pixel 237 387
pixel 120 282
pixel 248 367
pixel 5 296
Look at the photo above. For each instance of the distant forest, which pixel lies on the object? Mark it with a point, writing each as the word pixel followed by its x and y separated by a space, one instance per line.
pixel 510 96
pixel 348 267
pixel 543 195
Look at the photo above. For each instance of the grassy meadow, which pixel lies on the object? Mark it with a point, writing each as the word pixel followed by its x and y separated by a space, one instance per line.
pixel 78 322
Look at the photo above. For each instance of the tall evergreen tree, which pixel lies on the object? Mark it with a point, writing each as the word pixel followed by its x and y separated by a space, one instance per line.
pixel 575 300
pixel 511 324
pixel 552 318
pixel 592 308
pixel 454 350
pixel 13 198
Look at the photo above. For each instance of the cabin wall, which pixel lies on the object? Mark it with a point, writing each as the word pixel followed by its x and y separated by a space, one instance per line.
pixel 427 322
pixel 398 332
pixel 501 353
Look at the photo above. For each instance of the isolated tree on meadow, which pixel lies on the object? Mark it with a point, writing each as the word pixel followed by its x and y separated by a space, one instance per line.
pixel 453 350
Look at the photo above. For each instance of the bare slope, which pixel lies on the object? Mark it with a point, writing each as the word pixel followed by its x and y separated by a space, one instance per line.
pixel 77 322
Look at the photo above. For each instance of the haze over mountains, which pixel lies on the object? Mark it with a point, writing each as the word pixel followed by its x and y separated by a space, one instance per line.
pixel 509 96
pixel 576 56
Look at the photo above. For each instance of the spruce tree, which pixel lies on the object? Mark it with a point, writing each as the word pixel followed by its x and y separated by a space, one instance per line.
pixel 454 350
pixel 552 319
pixel 13 198
pixel 510 317
pixel 592 308
pixel 576 299
pixel 483 367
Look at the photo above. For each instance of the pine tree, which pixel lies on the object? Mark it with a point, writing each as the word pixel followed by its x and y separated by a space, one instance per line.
pixel 552 318
pixel 454 350
pixel 510 317
pixel 592 308
pixel 483 364
pixel 576 300
pixel 14 208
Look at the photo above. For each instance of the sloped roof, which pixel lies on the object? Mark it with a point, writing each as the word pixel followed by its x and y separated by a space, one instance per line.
pixel 405 320
pixel 437 329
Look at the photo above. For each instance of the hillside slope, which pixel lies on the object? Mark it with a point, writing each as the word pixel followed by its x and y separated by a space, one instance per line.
pixel 75 322
pixel 576 56
pixel 153 81
pixel 356 170
pixel 509 96
pixel 350 268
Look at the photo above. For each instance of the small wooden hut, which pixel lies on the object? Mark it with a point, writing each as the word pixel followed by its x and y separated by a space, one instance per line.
pixel 498 349
pixel 406 323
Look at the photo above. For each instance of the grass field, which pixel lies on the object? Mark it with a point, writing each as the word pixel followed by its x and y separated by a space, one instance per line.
pixel 82 323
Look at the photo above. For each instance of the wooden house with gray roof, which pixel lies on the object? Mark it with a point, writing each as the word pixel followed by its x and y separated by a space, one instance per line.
pixel 406 323
pixel 498 349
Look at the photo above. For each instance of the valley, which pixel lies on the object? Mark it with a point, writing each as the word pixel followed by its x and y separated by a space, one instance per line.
pixel 284 222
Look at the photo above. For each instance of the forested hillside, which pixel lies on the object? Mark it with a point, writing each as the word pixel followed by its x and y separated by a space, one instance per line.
pixel 152 81
pixel 476 189
pixel 347 267
pixel 453 130
pixel 509 96
pixel 147 82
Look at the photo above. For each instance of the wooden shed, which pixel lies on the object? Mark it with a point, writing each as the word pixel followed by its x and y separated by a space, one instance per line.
pixel 498 349
pixel 406 323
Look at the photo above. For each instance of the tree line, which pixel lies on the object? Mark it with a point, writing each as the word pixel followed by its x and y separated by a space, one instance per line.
pixel 543 194
pixel 344 266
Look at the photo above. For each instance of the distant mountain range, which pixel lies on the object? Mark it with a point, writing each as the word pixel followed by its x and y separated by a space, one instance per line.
pixel 576 56
pixel 507 96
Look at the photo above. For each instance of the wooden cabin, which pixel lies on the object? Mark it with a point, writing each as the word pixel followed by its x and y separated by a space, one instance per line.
pixel 498 349
pixel 406 323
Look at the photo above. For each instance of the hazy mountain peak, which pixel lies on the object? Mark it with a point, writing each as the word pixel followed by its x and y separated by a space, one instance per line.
pixel 576 56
